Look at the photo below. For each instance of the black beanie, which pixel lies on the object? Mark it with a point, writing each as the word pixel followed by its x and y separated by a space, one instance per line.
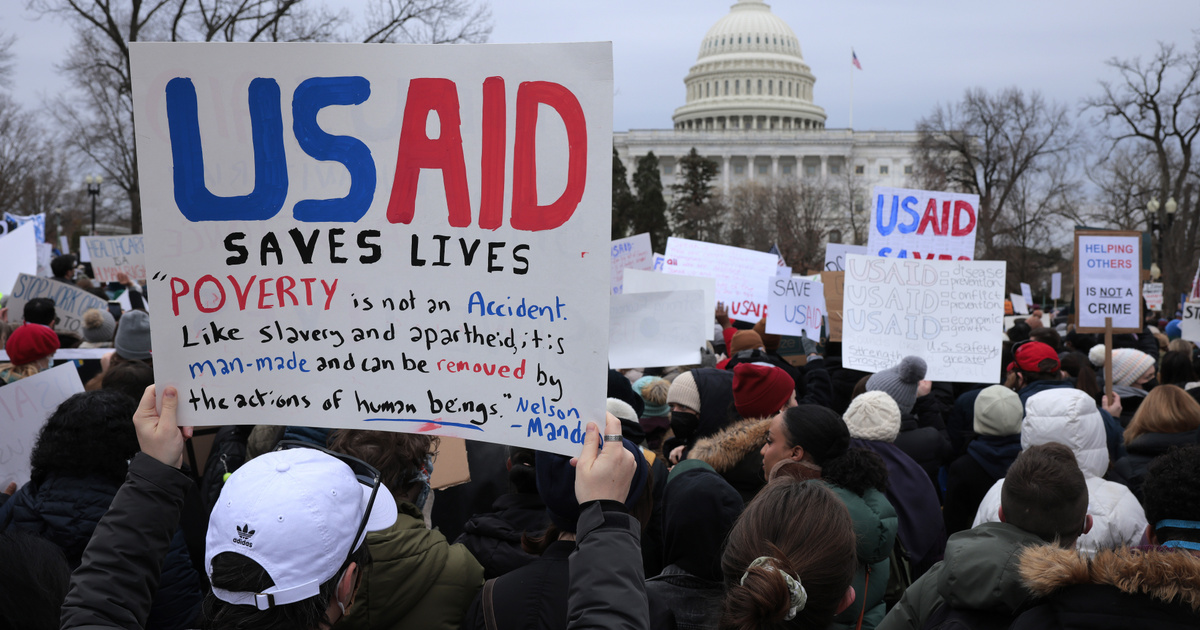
pixel 818 430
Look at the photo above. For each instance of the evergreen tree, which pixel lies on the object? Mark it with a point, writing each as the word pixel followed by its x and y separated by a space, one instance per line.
pixel 622 200
pixel 649 208
pixel 694 212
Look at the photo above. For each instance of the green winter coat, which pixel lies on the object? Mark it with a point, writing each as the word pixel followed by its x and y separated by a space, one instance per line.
pixel 979 573
pixel 415 579
pixel 875 524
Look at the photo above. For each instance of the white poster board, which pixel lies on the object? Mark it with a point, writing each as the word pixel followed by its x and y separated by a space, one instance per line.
pixel 64 245
pixel 741 274
pixel 1108 280
pixel 1020 306
pixel 1152 292
pixel 951 313
pixel 659 260
pixel 398 237
pixel 1056 286
pixel 835 255
pixel 111 255
pixel 923 224
pixel 637 281
pixel 1027 293
pixel 1189 326
pixel 795 307
pixel 632 252
pixel 24 407
pixel 656 329
pixel 70 302
pixel 18 255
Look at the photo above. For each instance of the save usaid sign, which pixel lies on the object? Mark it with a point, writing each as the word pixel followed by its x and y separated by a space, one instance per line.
pixel 923 224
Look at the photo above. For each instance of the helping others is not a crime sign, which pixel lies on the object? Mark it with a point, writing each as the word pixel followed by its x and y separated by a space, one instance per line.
pixel 1108 280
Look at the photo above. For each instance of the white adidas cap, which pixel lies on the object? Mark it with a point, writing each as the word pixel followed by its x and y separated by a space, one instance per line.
pixel 294 512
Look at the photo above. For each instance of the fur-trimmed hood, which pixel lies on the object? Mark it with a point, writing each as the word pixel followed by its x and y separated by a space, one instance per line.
pixel 725 449
pixel 1165 575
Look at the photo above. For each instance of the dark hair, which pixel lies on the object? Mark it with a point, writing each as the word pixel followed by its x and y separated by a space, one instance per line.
pixel 234 572
pixel 130 377
pixel 818 430
pixel 1171 490
pixel 535 543
pixel 857 470
pixel 62 264
pixel 1080 368
pixel 860 387
pixel 806 531
pixel 89 435
pixel 1080 342
pixel 1045 493
pixel 39 310
pixel 33 583
pixel 1048 336
pixel 1019 331
pixel 1175 368
pixel 398 456
pixel 521 476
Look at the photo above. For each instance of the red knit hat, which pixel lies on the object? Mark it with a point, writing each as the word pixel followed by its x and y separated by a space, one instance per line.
pixel 760 390
pixel 30 342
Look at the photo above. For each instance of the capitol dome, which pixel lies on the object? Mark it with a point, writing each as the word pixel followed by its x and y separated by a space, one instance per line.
pixel 749 75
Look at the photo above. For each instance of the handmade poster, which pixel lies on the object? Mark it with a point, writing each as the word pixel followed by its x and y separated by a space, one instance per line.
pixel 1189 326
pixel 407 238
pixel 638 281
pixel 835 255
pixel 951 313
pixel 923 224
pixel 630 253
pixel 70 354
pixel 1027 293
pixel 783 272
pixel 83 250
pixel 1056 286
pixel 1152 292
pixel 24 407
pixel 658 262
pixel 741 274
pixel 111 255
pixel 795 307
pixel 1108 281
pixel 14 221
pixel 70 302
pixel 835 290
pixel 1020 306
pixel 45 254
pixel 656 329
pixel 18 255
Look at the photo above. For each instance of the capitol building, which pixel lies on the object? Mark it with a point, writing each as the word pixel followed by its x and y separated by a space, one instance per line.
pixel 749 107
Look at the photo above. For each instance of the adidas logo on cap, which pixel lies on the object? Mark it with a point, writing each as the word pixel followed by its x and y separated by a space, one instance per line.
pixel 244 534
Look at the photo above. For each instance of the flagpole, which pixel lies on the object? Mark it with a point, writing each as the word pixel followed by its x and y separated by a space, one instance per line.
pixel 851 90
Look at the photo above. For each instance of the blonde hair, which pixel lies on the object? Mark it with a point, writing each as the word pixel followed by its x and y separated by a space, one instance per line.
pixel 1181 345
pixel 1166 409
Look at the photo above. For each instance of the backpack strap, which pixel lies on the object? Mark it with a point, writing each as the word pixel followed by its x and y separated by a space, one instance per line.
pixel 489 609
pixel 863 611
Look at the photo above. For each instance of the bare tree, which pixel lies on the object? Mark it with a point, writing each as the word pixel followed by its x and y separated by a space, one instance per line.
pixel 1154 107
pixel 20 140
pixel 792 214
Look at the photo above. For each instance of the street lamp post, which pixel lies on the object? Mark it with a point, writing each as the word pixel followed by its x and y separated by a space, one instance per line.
pixel 1160 229
pixel 93 189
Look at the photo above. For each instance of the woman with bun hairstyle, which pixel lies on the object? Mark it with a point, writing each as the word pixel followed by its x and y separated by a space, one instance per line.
pixel 807 442
pixel 790 559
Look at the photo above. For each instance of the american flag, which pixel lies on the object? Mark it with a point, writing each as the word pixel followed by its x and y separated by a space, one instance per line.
pixel 854 59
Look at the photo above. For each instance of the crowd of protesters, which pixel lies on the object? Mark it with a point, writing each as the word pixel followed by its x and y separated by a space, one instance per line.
pixel 756 491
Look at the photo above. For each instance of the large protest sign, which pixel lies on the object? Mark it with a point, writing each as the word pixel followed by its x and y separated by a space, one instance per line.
pixel 1108 281
pixel 835 291
pixel 394 237
pixel 835 255
pixel 632 252
pixel 656 329
pixel 18 255
pixel 951 313
pixel 70 302
pixel 1189 327
pixel 24 407
pixel 111 255
pixel 923 224
pixel 795 307
pixel 637 281
pixel 741 274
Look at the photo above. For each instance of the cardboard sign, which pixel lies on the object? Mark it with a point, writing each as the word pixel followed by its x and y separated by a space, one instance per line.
pixel 1020 306
pixel 741 274
pixel 452 467
pixel 656 329
pixel 24 407
pixel 795 307
pixel 1056 286
pixel 923 224
pixel 111 255
pixel 835 255
pixel 835 286
pixel 70 302
pixel 630 253
pixel 18 255
pixel 1027 293
pixel 405 238
pixel 1189 326
pixel 1152 292
pixel 1108 281
pixel 637 281
pixel 951 313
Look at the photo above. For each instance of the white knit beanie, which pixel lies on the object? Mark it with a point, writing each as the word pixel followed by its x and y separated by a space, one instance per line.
pixel 1128 365
pixel 873 416
pixel 684 392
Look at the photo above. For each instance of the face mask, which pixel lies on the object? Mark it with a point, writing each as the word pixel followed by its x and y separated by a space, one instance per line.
pixel 1150 384
pixel 684 423
pixel 423 479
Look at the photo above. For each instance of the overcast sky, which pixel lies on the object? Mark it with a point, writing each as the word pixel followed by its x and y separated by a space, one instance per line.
pixel 914 53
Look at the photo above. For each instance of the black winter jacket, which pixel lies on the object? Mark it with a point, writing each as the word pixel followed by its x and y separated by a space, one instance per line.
pixel 1130 470
pixel 494 538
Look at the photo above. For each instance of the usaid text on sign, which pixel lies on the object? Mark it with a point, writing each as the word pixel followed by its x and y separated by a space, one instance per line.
pixel 923 224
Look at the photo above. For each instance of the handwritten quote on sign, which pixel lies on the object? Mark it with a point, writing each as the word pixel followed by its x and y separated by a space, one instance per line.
pixel 951 313
pixel 422 245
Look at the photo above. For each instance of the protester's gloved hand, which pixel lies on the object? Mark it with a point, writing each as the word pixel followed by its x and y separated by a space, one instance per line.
pixel 602 474
pixel 159 436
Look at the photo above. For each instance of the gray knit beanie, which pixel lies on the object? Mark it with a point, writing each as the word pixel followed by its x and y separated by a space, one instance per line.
pixel 133 336
pixel 98 325
pixel 900 382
